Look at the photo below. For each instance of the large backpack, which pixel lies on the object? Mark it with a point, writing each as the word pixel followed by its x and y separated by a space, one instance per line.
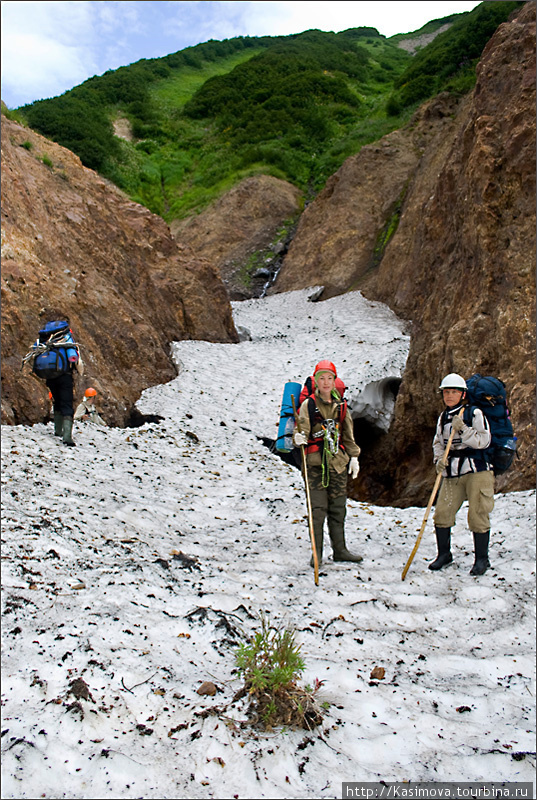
pixel 53 349
pixel 488 394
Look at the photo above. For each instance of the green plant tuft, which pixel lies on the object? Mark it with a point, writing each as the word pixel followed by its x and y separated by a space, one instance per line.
pixel 270 665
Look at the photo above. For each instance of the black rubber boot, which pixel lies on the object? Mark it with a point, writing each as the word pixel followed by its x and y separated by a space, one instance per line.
pixel 443 542
pixel 481 548
pixel 58 424
pixel 68 431
pixel 337 539
pixel 346 555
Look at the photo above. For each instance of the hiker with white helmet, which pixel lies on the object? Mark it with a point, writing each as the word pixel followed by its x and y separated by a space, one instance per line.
pixel 325 431
pixel 86 411
pixel 467 475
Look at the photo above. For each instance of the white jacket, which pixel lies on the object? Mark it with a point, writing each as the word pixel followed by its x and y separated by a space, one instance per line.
pixel 472 438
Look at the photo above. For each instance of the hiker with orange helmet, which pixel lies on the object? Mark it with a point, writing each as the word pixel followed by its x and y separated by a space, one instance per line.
pixel 86 411
pixel 325 429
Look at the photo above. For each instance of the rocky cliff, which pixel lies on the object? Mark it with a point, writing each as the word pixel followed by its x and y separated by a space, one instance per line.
pixel 244 232
pixel 438 221
pixel 73 244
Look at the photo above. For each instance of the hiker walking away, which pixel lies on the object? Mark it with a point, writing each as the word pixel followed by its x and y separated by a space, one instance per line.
pixel 326 431
pixel 86 410
pixel 54 357
pixel 467 475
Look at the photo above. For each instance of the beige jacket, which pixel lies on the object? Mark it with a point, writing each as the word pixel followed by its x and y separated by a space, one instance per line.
pixel 329 411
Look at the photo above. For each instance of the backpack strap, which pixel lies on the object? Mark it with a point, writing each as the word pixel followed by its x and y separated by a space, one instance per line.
pixel 479 457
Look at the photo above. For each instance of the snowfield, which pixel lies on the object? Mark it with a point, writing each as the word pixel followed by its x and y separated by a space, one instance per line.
pixel 134 564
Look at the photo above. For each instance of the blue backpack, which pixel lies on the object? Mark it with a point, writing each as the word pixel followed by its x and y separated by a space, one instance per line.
pixel 489 395
pixel 55 346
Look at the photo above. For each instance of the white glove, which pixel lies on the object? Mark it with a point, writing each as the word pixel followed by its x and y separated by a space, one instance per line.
pixel 354 467
pixel 299 439
pixel 440 466
pixel 457 424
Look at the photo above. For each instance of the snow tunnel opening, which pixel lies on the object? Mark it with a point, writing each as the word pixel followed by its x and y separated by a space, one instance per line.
pixel 373 407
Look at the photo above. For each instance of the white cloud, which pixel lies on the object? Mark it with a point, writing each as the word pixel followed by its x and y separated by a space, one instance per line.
pixel 281 18
pixel 46 48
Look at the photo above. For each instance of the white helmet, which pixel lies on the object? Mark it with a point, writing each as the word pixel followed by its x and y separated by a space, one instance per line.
pixel 453 381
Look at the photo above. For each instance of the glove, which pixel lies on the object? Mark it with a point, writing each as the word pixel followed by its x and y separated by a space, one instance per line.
pixel 354 467
pixel 299 439
pixel 457 424
pixel 440 466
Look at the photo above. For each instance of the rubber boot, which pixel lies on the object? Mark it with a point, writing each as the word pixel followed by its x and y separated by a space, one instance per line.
pixel 443 541
pixel 337 539
pixel 336 528
pixel 58 424
pixel 481 548
pixel 68 431
pixel 340 550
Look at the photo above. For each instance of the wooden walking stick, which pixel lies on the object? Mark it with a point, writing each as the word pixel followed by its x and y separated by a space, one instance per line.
pixel 308 503
pixel 430 503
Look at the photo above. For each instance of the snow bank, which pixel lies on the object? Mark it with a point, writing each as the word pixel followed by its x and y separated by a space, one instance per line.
pixel 133 565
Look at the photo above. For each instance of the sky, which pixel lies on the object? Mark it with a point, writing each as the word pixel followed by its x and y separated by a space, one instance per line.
pixel 142 557
pixel 49 47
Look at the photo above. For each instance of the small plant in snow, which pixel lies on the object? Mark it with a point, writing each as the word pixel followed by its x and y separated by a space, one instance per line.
pixel 271 665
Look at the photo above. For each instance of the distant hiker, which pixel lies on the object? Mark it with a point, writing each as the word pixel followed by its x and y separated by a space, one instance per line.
pixel 326 431
pixel 54 357
pixel 468 475
pixel 86 410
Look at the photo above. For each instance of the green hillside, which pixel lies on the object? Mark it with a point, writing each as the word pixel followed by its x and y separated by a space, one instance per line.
pixel 291 106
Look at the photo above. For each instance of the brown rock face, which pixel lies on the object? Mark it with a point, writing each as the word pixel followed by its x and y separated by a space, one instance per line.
pixel 243 221
pixel 459 261
pixel 340 236
pixel 73 245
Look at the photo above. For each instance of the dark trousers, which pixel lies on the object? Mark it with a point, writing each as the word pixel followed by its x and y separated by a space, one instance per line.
pixel 328 503
pixel 62 394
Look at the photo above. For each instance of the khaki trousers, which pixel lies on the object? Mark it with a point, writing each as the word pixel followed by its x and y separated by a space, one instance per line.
pixel 478 489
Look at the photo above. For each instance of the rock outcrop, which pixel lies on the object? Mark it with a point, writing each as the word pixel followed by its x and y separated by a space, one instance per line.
pixel 438 221
pixel 242 223
pixel 73 245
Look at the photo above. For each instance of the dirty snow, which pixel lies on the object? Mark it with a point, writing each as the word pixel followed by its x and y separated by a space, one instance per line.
pixel 133 565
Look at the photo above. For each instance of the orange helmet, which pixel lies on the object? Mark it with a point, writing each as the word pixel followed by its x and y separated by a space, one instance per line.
pixel 325 366
pixel 90 392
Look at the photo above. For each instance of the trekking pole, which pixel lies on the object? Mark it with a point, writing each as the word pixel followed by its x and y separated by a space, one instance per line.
pixel 308 503
pixel 430 503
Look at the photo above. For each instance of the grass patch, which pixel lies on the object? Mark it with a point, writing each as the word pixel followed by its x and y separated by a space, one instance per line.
pixel 270 665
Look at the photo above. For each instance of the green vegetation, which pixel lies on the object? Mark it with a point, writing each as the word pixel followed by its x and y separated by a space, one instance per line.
pixel 270 665
pixel 448 62
pixel 294 107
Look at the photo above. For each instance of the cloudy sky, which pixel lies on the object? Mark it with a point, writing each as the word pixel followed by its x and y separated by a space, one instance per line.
pixel 49 47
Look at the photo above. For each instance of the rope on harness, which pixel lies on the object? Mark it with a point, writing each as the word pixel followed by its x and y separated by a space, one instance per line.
pixel 330 448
